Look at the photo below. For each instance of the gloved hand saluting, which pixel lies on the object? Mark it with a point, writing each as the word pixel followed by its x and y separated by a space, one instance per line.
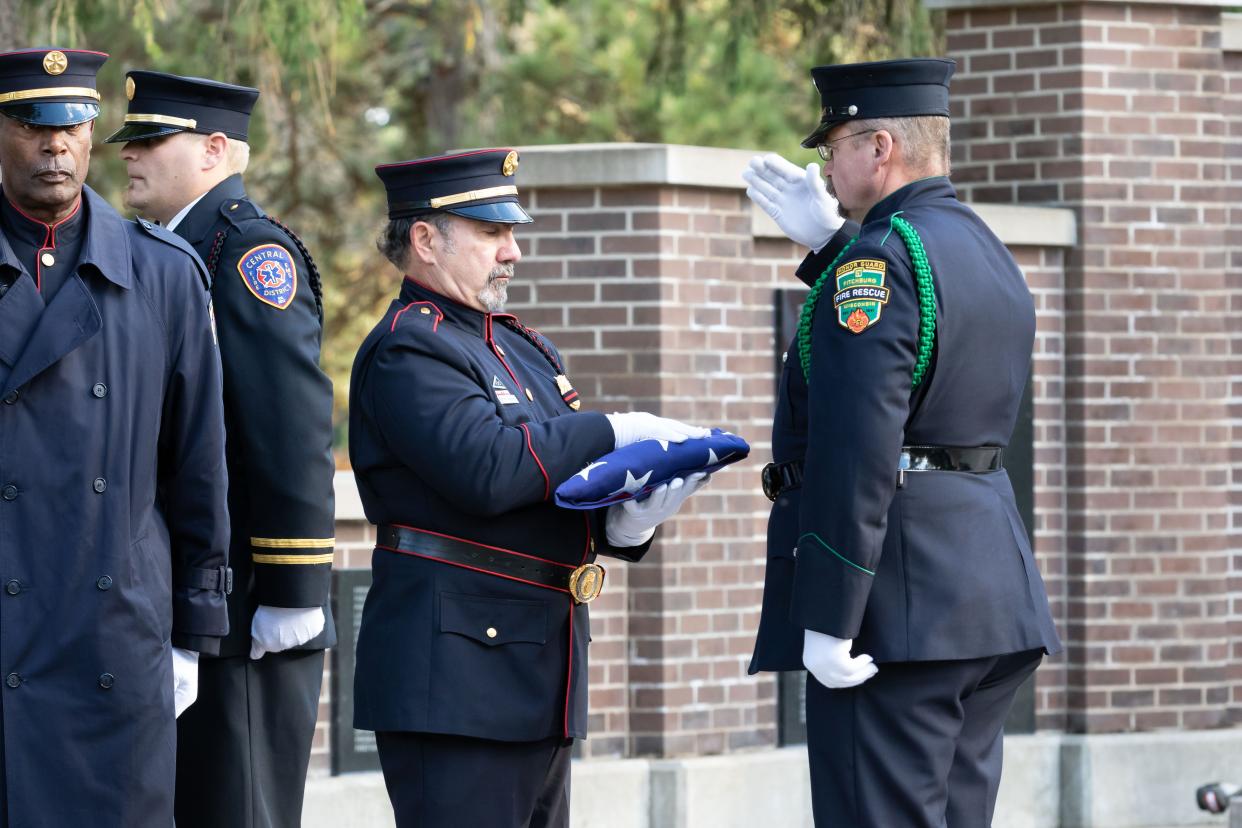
pixel 633 522
pixel 796 199
pixel 632 426
pixel 829 660
pixel 276 629
pixel 185 679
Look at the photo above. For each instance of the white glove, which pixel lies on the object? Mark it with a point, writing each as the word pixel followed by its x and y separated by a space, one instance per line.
pixel 829 660
pixel 633 522
pixel 797 200
pixel 185 678
pixel 275 629
pixel 633 426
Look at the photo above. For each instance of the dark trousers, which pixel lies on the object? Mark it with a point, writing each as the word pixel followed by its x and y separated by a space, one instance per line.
pixel 917 746
pixel 437 781
pixel 243 746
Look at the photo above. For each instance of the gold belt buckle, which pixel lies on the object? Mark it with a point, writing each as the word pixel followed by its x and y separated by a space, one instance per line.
pixel 586 582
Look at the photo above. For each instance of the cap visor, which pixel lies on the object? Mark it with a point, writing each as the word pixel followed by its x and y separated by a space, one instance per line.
pixel 53 113
pixel 501 212
pixel 817 137
pixel 140 132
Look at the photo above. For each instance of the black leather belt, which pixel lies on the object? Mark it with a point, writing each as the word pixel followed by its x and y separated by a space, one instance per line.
pixel 778 478
pixel 582 583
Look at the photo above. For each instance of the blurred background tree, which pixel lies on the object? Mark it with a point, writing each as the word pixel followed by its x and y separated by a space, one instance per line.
pixel 347 84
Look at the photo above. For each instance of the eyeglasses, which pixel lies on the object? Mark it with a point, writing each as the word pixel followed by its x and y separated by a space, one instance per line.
pixel 826 148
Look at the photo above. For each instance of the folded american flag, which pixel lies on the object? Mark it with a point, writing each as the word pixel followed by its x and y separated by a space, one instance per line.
pixel 637 469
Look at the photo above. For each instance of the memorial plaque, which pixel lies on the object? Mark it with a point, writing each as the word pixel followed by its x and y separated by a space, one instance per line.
pixel 352 750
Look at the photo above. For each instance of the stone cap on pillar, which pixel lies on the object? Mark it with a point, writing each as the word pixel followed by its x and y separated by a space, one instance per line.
pixel 677 165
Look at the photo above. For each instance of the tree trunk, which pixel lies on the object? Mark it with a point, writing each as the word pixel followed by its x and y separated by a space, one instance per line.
pixel 10 26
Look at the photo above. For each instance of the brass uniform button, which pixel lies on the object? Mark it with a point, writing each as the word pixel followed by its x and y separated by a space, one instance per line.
pixel 491 632
pixel 48 259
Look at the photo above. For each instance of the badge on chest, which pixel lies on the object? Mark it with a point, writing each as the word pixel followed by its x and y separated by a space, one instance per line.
pixel 503 395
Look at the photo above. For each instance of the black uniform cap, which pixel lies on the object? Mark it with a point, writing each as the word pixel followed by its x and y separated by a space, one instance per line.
pixel 478 185
pixel 50 87
pixel 161 104
pixel 883 89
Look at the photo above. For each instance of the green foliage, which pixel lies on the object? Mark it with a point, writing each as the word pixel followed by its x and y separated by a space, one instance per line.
pixel 457 73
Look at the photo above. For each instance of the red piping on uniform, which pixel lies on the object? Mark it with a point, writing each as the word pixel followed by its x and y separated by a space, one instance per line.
pixel 491 343
pixel 484 545
pixel 471 568
pixel 439 158
pixel 436 324
pixel 49 240
pixel 547 484
pixel 569 675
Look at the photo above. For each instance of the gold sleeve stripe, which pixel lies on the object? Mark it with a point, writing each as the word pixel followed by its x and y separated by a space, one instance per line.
pixel 291 559
pixel 293 543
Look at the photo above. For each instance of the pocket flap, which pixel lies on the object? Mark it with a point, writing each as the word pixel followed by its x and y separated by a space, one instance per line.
pixel 494 621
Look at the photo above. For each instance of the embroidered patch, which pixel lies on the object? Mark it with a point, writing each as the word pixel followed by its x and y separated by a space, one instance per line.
pixel 270 274
pixel 502 393
pixel 861 294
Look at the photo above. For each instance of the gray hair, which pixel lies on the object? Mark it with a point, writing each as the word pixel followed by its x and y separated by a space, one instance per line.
pixel 924 140
pixel 394 240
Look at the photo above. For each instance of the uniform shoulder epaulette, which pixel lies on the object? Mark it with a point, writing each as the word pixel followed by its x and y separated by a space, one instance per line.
pixel 238 210
pixel 422 315
pixel 170 238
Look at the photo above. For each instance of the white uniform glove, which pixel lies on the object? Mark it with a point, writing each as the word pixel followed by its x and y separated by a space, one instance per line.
pixel 633 522
pixel 185 678
pixel 275 629
pixel 633 426
pixel 829 660
pixel 796 199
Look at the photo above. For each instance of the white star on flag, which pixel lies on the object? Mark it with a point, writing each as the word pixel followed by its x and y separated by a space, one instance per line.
pixel 585 473
pixel 712 459
pixel 632 484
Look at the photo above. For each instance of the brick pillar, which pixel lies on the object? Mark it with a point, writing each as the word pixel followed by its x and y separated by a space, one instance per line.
pixel 1122 112
pixel 1232 109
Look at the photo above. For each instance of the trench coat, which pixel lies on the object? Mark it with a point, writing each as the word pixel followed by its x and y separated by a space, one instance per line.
pixel 113 527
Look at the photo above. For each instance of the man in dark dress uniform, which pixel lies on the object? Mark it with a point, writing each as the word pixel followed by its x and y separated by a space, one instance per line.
pixel 472 653
pixel 899 572
pixel 243 748
pixel 113 525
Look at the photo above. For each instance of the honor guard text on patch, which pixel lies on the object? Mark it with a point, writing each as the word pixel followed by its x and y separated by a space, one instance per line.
pixel 270 274
pixel 861 294
pixel 502 393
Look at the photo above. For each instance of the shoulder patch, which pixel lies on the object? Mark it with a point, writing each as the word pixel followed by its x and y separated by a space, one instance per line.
pixel 270 274
pixel 860 293
pixel 170 238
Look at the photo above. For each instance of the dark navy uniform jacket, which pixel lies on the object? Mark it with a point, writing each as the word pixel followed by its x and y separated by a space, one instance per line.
pixel 457 427
pixel 277 410
pixel 940 567
pixel 113 527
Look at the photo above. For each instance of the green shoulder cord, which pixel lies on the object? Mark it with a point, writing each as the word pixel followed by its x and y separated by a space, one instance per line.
pixel 924 284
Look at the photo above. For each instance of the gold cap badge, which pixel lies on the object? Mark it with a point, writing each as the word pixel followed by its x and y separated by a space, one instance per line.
pixel 129 89
pixel 511 163
pixel 55 62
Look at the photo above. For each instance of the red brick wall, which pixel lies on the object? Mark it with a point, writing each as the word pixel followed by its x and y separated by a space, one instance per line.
pixel 1118 111
pixel 1232 109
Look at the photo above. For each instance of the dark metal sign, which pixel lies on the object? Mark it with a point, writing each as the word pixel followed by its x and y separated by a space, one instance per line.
pixel 352 750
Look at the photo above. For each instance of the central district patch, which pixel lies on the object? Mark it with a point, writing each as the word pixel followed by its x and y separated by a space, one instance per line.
pixel 270 274
pixel 861 294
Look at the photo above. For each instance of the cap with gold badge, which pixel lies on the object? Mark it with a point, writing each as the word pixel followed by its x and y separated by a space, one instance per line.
pixel 480 185
pixel 881 89
pixel 50 87
pixel 161 104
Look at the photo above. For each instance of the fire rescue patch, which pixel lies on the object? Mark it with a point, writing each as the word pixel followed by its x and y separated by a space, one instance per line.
pixel 270 274
pixel 861 294
pixel 502 393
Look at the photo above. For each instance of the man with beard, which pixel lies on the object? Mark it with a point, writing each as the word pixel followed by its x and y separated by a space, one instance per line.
pixel 899 572
pixel 243 748
pixel 471 662
pixel 112 497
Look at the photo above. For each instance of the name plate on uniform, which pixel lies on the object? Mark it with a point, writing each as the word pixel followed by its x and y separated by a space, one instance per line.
pixel 352 750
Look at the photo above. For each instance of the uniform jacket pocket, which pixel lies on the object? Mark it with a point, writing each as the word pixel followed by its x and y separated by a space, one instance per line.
pixel 494 621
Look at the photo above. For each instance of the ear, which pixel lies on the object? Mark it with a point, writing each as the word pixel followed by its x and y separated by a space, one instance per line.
pixel 882 146
pixel 424 239
pixel 215 150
